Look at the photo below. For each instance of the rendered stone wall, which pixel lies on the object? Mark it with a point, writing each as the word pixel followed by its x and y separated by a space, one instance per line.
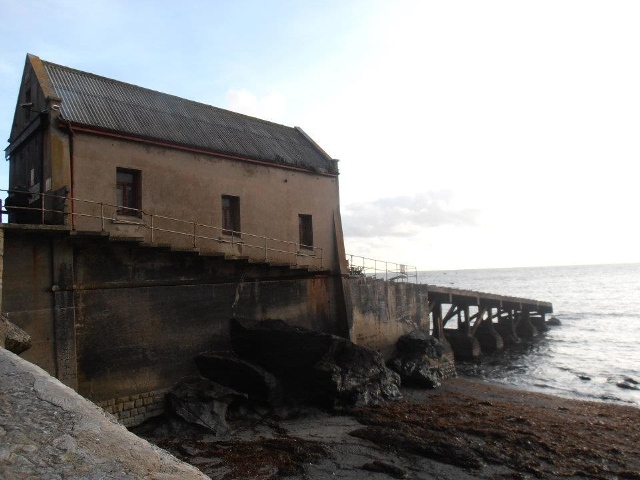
pixel 26 293
pixel 384 311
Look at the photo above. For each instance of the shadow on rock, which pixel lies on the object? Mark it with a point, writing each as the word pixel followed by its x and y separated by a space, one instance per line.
pixel 319 368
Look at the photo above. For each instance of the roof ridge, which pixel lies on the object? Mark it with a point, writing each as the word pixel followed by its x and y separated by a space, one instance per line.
pixel 207 105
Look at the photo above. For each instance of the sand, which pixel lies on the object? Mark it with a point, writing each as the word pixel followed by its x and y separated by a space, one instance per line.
pixel 464 429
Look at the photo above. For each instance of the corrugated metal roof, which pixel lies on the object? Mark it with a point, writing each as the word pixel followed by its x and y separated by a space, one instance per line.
pixel 103 103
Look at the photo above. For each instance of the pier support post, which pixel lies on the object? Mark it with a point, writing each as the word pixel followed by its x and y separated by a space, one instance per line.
pixel 506 327
pixel 538 321
pixel 525 328
pixel 464 346
pixel 489 339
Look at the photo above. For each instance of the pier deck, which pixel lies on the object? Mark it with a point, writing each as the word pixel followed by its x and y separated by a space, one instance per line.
pixel 484 322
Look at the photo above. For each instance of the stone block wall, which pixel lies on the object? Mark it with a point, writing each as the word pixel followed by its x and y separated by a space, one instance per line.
pixel 134 409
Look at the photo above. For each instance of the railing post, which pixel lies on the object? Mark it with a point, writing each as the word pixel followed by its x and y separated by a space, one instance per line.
pixel 152 228
pixel 266 252
pixel 42 207
pixel 102 216
pixel 194 235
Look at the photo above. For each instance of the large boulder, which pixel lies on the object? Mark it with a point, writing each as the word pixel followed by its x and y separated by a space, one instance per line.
pixel 422 360
pixel 238 374
pixel 325 369
pixel 13 338
pixel 203 403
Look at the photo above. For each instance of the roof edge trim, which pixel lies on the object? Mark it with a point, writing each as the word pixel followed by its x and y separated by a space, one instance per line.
pixel 312 142
pixel 107 133
pixel 43 78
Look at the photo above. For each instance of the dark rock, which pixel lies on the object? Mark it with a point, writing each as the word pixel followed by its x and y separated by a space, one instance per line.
pixel 420 342
pixel 324 369
pixel 584 377
pixel 382 467
pixel 422 360
pixel 13 338
pixel 631 380
pixel 233 372
pixel 553 322
pixel 202 402
pixel 627 385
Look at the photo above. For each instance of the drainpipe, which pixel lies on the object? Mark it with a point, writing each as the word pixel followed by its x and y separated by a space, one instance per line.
pixel 71 135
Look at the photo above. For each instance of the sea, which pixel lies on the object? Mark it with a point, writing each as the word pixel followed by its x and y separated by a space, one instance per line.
pixel 593 355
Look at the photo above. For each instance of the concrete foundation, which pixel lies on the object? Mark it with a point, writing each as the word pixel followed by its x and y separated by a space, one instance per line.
pixel 525 328
pixel 539 322
pixel 384 311
pixel 465 347
pixel 489 339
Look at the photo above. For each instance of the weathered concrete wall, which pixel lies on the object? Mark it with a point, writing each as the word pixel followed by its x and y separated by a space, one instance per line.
pixel 1 264
pixel 384 311
pixel 122 322
pixel 26 294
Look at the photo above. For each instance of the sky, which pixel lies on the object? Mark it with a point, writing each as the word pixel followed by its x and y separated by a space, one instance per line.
pixel 470 134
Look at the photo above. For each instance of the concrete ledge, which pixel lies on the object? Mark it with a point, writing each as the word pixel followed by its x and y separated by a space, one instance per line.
pixel 49 431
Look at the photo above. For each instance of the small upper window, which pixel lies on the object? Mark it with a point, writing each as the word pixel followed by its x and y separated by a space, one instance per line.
pixel 231 215
pixel 305 226
pixel 128 192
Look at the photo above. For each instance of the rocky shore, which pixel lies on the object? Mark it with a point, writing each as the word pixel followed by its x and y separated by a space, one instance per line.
pixel 464 429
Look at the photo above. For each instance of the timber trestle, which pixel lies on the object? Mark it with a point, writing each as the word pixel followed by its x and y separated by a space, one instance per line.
pixel 476 322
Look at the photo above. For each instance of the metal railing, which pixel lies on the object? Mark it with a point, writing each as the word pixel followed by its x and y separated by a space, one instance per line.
pixel 198 234
pixel 389 271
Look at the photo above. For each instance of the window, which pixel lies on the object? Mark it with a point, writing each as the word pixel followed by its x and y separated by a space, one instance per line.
pixel 305 226
pixel 231 215
pixel 128 188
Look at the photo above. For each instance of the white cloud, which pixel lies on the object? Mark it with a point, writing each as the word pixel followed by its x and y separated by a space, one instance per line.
pixel 270 107
pixel 404 216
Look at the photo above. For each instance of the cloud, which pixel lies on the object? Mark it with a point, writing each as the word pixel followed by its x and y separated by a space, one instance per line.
pixel 271 106
pixel 404 216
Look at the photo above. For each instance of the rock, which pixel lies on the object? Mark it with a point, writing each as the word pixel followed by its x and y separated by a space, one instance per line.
pixel 553 322
pixel 324 369
pixel 233 372
pixel 13 338
pixel 584 377
pixel 627 385
pixel 382 467
pixel 202 402
pixel 422 360
pixel 631 380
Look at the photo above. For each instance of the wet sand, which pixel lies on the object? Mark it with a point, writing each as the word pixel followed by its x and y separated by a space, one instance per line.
pixel 464 429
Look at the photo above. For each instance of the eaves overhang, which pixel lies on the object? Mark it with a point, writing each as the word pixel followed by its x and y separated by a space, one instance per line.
pixel 77 127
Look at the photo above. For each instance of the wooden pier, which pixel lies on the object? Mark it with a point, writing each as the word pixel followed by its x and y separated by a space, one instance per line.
pixel 476 322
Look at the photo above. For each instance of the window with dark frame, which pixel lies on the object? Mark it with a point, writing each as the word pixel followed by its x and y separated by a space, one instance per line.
pixel 231 215
pixel 305 225
pixel 128 192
